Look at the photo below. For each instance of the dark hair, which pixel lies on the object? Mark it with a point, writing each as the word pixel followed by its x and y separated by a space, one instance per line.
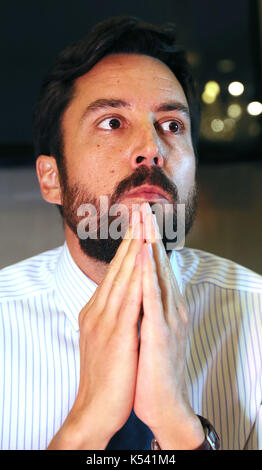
pixel 121 34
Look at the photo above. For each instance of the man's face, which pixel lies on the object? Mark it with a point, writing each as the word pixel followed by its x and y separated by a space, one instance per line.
pixel 127 127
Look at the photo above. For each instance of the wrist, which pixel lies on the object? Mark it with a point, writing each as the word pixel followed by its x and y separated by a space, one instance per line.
pixel 186 434
pixel 77 433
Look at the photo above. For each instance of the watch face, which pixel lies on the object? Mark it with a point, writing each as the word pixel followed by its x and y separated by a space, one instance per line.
pixel 212 441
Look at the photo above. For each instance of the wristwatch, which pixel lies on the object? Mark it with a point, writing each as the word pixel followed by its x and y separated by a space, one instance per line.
pixel 211 441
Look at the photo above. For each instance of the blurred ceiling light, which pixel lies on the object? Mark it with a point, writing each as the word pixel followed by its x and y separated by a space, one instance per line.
pixel 210 92
pixel 234 111
pixel 226 65
pixel 254 108
pixel 236 88
pixel 229 124
pixel 212 87
pixel 208 99
pixel 217 125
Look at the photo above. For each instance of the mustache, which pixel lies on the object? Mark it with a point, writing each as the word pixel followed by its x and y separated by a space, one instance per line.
pixel 143 174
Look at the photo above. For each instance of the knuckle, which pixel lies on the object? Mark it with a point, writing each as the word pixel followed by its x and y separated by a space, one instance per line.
pixel 183 312
pixel 130 302
pixel 117 282
pixel 166 272
pixel 86 321
pixel 157 293
pixel 113 264
pixel 81 317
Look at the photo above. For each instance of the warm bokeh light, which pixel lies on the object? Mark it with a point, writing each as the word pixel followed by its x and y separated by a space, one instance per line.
pixel 229 124
pixel 212 87
pixel 236 88
pixel 217 125
pixel 254 108
pixel 234 111
pixel 210 92
pixel 208 99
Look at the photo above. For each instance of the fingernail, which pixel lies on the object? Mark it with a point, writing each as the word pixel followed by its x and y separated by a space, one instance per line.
pixel 146 208
pixel 134 220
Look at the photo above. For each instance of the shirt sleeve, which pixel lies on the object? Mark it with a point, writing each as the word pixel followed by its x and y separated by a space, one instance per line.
pixel 254 441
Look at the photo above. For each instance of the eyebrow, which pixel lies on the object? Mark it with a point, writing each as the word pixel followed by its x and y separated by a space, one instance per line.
pixel 103 103
pixel 173 106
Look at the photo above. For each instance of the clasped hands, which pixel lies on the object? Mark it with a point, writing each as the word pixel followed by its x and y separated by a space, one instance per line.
pixel 121 370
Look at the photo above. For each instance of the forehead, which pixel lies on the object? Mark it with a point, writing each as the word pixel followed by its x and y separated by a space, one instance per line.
pixel 141 78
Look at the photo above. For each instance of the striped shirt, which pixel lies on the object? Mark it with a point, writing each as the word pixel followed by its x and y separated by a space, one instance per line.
pixel 40 299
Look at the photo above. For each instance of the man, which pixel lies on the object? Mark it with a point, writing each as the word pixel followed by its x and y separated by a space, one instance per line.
pixel 102 345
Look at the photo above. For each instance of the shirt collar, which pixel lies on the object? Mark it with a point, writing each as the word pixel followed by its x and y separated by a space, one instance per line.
pixel 74 288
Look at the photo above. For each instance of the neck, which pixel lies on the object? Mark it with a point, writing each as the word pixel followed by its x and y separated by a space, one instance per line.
pixel 95 270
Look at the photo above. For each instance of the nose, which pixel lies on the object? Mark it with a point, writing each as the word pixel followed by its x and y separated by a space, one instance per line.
pixel 148 150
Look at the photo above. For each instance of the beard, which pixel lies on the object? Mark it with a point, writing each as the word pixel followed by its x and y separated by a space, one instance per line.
pixel 104 248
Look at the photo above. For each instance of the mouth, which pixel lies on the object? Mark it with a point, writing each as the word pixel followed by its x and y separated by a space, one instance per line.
pixel 147 193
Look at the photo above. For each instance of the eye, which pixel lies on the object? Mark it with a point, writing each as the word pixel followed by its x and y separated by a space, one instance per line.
pixel 110 123
pixel 176 127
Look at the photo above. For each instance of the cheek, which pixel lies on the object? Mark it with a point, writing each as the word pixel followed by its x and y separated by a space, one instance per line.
pixel 106 166
pixel 100 167
pixel 183 171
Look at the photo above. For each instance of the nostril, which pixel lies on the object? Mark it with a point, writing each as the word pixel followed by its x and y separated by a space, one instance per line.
pixel 139 159
pixel 156 160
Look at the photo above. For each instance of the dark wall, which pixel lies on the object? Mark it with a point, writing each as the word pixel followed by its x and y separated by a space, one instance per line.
pixel 32 33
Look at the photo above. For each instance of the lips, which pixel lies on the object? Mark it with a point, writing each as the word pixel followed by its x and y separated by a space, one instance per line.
pixel 147 192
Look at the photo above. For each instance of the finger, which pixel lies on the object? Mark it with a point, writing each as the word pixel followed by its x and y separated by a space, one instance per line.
pixel 121 281
pixel 131 305
pixel 164 269
pixel 173 303
pixel 151 233
pixel 99 298
pixel 152 298
pixel 104 288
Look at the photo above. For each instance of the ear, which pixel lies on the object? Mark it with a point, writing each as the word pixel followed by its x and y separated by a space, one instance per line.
pixel 47 174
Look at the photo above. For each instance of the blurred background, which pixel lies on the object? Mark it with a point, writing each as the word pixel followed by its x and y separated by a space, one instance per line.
pixel 224 43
